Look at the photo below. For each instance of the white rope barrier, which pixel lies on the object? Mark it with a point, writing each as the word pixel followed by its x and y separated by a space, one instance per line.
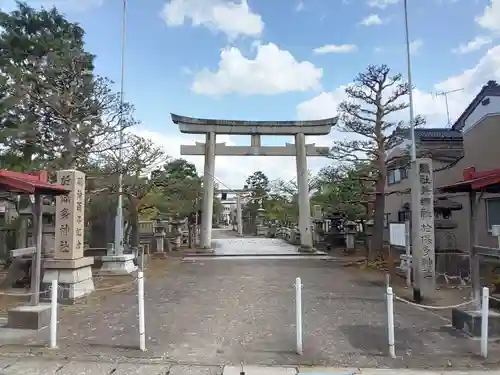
pixel 23 294
pixel 494 298
pixel 484 316
pixel 429 307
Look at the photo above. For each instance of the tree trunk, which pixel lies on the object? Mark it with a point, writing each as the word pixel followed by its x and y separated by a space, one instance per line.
pixel 134 221
pixel 127 232
pixel 377 241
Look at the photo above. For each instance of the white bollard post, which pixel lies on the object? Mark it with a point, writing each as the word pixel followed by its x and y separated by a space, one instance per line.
pixel 53 315
pixel 485 307
pixel 140 296
pixel 390 321
pixel 298 313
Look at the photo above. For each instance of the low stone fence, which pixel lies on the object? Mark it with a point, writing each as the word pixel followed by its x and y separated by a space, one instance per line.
pixel 290 235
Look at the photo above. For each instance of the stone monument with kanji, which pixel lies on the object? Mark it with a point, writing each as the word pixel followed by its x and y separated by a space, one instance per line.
pixel 69 266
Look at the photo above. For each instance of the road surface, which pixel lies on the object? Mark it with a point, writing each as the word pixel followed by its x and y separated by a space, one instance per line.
pixel 218 311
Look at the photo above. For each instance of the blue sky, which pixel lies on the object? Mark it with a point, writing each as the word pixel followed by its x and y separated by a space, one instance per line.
pixel 261 59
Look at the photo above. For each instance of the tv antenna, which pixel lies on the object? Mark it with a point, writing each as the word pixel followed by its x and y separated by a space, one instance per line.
pixel 445 94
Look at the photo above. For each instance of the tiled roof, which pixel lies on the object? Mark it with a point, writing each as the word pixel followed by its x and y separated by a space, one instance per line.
pixel 26 183
pixel 490 89
pixel 437 133
pixel 487 181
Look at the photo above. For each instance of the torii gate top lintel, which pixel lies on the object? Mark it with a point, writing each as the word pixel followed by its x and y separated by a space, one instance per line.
pixel 192 125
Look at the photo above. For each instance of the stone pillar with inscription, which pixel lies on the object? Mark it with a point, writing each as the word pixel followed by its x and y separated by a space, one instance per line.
pixel 69 266
pixel 422 223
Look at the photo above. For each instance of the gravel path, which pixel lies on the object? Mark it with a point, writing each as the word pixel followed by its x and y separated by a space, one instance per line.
pixel 226 311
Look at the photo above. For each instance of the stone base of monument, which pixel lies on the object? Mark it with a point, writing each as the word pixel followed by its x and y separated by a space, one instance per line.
pixel 203 250
pixel 29 317
pixel 469 322
pixel 118 264
pixel 304 249
pixel 74 277
pixel 262 230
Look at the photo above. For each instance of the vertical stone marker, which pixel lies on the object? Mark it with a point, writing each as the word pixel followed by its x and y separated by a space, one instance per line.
pixel 69 265
pixel 423 249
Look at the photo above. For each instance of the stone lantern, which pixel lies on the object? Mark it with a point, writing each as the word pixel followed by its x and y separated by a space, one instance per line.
pixel 176 230
pixel 159 235
pixel 351 229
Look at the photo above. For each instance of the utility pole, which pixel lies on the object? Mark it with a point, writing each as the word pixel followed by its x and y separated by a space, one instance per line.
pixel 417 293
pixel 445 94
pixel 119 208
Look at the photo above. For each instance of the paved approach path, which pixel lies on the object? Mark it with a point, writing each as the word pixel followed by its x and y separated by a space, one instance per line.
pixel 223 311
pixel 39 367
pixel 225 242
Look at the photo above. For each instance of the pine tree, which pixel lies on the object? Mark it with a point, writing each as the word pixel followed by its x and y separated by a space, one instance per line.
pixel 60 112
pixel 371 114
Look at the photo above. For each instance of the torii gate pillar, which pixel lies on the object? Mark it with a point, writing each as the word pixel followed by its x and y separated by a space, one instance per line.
pixel 208 193
pixel 306 240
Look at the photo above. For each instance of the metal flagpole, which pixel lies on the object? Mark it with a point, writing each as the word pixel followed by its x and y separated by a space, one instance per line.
pixel 410 93
pixel 417 295
pixel 119 208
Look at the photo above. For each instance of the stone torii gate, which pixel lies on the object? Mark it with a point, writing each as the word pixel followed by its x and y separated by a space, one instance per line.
pixel 256 129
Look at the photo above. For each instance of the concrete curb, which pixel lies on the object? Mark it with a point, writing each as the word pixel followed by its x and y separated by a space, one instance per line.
pixel 215 255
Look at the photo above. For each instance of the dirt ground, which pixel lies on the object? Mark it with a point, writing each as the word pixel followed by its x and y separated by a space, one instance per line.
pixel 105 285
pixel 217 311
pixel 224 311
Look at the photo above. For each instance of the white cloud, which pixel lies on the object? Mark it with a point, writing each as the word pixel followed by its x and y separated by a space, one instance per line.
pixel 272 71
pixel 473 45
pixel 300 6
pixel 233 18
pixel 490 19
pixel 426 103
pixel 321 106
pixel 382 4
pixel 416 45
pixel 372 19
pixel 336 48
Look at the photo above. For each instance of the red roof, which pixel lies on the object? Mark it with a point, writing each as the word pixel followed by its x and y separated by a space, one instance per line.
pixel 487 181
pixel 29 183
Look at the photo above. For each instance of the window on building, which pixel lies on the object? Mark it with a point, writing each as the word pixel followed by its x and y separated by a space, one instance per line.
pixel 404 216
pixel 386 220
pixel 393 176
pixel 492 212
pixel 396 175
pixel 404 173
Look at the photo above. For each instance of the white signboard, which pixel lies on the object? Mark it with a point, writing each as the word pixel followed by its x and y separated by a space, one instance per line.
pixel 397 236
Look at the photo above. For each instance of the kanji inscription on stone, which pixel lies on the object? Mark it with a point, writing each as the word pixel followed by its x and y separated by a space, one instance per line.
pixel 423 247
pixel 69 216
